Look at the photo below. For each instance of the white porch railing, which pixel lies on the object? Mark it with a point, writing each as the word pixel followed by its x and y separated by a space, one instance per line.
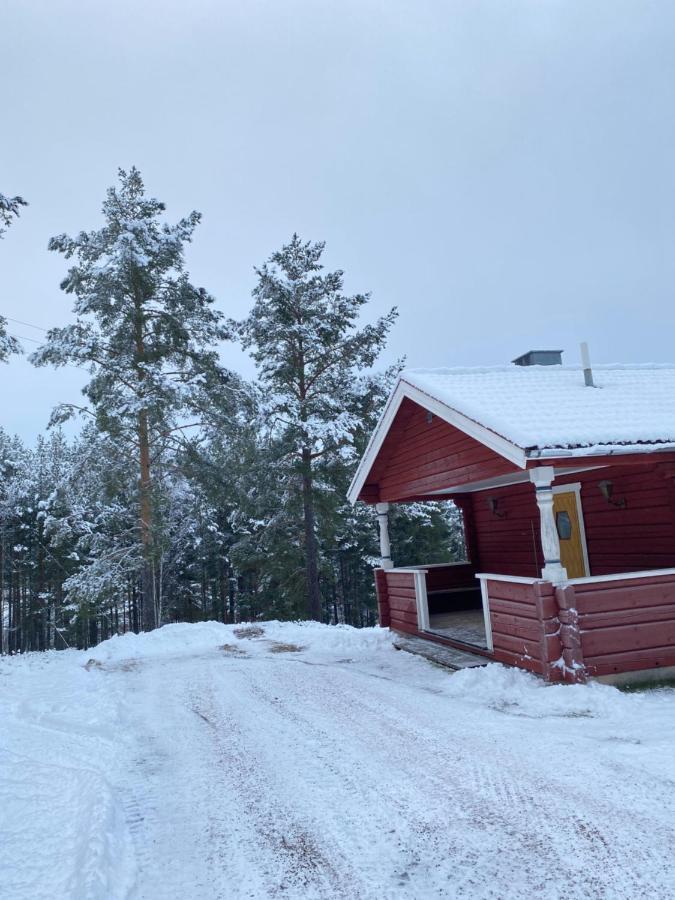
pixel 622 576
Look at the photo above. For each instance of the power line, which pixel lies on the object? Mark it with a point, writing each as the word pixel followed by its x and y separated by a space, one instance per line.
pixel 27 324
pixel 20 337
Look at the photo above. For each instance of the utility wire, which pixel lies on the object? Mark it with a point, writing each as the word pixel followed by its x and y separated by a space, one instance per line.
pixel 27 324
pixel 20 337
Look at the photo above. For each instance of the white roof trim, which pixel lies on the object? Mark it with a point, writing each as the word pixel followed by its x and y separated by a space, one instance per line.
pixel 602 450
pixel 404 389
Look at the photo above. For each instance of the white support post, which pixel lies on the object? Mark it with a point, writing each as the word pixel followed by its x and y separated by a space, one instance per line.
pixel 422 600
pixel 385 548
pixel 553 571
pixel 486 612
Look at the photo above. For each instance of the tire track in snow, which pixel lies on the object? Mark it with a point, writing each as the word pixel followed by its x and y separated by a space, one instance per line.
pixel 344 785
pixel 299 866
pixel 528 808
pixel 177 794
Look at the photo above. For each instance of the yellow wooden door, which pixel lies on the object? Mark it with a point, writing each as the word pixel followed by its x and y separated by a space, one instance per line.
pixel 569 531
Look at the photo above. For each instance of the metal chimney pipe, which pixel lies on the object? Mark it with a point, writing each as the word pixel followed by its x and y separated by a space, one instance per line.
pixel 586 365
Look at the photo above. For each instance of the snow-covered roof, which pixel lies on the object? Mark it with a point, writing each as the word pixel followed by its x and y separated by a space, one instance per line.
pixel 547 407
pixel 538 411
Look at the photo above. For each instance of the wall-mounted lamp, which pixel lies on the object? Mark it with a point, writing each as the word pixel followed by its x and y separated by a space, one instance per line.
pixel 607 489
pixel 430 417
pixel 493 504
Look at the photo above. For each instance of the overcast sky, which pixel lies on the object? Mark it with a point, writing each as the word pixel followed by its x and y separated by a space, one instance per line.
pixel 503 172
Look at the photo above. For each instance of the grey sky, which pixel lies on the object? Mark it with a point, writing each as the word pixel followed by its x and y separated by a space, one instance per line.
pixel 504 172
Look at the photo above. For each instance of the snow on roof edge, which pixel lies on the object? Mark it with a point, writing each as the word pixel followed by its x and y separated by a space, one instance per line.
pixel 510 367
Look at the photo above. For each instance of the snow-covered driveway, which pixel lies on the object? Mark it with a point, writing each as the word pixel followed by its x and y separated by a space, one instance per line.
pixel 192 763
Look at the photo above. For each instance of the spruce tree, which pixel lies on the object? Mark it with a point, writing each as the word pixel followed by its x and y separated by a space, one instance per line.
pixel 146 335
pixel 311 358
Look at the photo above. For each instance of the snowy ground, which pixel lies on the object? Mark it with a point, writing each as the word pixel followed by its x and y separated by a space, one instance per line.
pixel 192 763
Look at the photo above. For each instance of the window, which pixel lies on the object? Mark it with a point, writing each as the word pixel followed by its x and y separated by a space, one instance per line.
pixel 564 525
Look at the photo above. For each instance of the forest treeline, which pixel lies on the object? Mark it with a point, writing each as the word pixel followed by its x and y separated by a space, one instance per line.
pixel 189 492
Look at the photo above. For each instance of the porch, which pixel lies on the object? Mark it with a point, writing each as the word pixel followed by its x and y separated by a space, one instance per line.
pixel 588 627
pixel 561 621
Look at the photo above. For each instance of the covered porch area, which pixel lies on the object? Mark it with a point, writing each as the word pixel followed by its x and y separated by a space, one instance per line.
pixel 540 606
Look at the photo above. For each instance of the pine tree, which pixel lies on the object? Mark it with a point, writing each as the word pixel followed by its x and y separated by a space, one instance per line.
pixel 311 357
pixel 147 336
pixel 9 209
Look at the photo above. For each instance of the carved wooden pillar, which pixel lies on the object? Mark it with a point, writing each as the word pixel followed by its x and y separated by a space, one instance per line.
pixel 553 571
pixel 570 635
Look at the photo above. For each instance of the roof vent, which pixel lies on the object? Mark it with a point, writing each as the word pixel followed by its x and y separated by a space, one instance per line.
pixel 539 358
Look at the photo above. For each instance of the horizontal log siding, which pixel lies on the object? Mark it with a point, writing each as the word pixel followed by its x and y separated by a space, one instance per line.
pixel 402 601
pixel 627 625
pixel 510 544
pixel 638 536
pixel 440 578
pixel 525 626
pixel 418 456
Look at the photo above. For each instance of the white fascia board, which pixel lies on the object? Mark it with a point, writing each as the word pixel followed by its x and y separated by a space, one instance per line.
pixel 599 450
pixel 404 389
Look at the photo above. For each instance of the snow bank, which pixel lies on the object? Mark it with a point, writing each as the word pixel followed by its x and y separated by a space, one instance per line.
pixel 520 693
pixel 181 639
pixel 188 639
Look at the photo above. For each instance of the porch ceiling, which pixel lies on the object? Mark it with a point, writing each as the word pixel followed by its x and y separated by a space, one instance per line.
pixel 504 481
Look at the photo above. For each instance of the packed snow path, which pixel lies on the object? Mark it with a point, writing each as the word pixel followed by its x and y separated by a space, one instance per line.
pixel 310 762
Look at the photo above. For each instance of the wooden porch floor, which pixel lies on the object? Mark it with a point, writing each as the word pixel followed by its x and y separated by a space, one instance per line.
pixel 442 655
pixel 467 626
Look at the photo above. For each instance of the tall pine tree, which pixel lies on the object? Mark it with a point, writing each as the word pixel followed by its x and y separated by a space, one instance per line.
pixel 311 358
pixel 147 336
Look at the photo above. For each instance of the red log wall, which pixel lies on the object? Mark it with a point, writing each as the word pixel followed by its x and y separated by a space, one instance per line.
pixel 525 626
pixel 440 578
pixel 627 624
pixel 401 603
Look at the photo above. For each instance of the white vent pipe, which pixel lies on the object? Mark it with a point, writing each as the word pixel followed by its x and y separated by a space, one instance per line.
pixel 586 365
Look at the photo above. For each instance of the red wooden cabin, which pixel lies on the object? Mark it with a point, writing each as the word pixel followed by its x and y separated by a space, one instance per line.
pixel 568 496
